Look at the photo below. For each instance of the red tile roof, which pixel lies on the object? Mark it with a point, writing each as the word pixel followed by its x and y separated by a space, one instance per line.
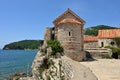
pixel 90 38
pixel 68 11
pixel 109 33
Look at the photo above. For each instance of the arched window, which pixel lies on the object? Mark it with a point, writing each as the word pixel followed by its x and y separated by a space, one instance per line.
pixel 112 43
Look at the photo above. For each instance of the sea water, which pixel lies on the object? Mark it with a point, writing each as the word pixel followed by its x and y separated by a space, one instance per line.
pixel 12 61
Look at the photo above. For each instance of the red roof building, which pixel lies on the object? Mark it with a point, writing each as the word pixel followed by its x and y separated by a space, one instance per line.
pixel 103 34
pixel 90 38
pixel 104 38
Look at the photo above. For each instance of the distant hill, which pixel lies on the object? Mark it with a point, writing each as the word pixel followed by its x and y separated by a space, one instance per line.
pixel 94 30
pixel 24 44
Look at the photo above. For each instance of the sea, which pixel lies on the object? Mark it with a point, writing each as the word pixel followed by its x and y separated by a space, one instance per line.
pixel 12 61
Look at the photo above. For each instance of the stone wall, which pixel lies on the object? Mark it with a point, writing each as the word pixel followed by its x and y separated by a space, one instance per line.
pixel 88 45
pixel 106 42
pixel 47 36
pixel 71 38
pixel 98 52
pixel 99 43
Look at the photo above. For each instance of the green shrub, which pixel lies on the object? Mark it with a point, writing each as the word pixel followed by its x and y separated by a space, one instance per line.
pixel 48 77
pixel 114 49
pixel 56 46
pixel 117 40
pixel 41 69
pixel 43 53
pixel 45 65
pixel 50 62
pixel 108 57
pixel 108 47
pixel 62 78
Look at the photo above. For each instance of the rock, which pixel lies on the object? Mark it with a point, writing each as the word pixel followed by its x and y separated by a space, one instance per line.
pixel 20 74
pixel 13 78
pixel 58 55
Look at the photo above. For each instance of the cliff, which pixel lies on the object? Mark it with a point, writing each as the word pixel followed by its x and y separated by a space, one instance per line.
pixel 62 68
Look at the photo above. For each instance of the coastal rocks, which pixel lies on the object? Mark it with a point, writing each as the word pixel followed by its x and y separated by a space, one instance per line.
pixel 17 76
pixel 36 63
pixel 13 78
pixel 47 68
pixel 20 74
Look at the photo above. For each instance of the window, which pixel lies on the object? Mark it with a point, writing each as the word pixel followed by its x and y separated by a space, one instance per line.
pixel 102 44
pixel 69 33
pixel 112 43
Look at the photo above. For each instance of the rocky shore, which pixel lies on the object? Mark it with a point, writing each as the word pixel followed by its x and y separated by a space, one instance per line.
pixel 17 76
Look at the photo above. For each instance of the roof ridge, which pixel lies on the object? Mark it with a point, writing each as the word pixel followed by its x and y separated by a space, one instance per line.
pixel 69 11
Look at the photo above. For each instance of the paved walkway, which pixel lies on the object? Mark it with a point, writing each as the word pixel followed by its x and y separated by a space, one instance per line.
pixel 105 69
pixel 79 72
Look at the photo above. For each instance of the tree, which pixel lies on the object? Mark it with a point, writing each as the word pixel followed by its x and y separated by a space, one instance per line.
pixel 94 30
pixel 117 40
pixel 24 44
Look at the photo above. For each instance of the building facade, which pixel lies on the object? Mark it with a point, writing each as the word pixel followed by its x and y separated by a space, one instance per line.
pixel 104 38
pixel 68 30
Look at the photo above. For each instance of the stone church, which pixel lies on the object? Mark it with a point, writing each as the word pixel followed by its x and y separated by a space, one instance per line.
pixel 68 30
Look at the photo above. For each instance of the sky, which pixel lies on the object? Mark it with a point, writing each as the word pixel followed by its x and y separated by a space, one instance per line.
pixel 27 19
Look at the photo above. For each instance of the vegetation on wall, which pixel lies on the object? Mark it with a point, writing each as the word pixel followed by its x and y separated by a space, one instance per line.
pixel 24 44
pixel 114 49
pixel 117 40
pixel 94 30
pixel 45 65
pixel 55 45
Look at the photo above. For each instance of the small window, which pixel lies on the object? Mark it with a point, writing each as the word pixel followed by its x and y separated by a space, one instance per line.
pixel 112 43
pixel 69 33
pixel 102 44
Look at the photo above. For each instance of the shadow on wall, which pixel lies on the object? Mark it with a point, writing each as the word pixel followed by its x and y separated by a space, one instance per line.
pixel 89 56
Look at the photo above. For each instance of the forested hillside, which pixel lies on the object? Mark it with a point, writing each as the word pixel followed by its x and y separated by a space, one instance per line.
pixel 24 44
pixel 94 30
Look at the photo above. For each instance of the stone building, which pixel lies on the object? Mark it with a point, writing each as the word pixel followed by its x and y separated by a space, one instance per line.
pixel 68 30
pixel 104 38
